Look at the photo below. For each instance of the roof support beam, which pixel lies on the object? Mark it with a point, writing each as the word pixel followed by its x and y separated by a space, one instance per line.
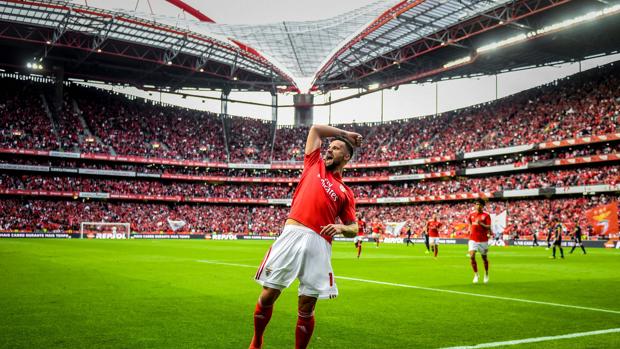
pixel 455 35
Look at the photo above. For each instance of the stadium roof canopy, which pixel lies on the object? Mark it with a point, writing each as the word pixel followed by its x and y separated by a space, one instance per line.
pixel 384 43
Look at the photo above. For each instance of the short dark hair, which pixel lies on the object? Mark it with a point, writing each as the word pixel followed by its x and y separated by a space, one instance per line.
pixel 480 201
pixel 347 143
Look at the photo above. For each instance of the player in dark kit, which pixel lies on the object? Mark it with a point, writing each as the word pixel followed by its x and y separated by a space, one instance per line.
pixel 549 233
pixel 409 241
pixel 535 237
pixel 576 237
pixel 303 250
pixel 557 237
pixel 426 241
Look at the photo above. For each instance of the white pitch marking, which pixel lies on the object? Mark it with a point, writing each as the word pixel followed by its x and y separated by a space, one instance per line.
pixel 441 290
pixel 537 339
pixel 479 295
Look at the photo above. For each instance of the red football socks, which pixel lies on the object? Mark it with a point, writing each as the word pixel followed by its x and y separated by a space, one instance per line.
pixel 262 315
pixel 304 329
pixel 474 265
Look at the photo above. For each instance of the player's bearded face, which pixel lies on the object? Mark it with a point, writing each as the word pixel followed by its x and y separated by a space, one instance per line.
pixel 335 155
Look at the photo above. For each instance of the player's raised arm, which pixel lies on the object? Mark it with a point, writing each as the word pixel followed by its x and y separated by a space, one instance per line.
pixel 317 132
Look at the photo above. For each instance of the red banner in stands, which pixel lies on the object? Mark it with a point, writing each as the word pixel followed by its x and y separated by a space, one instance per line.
pixel 588 159
pixel 25 151
pixel 450 197
pixel 604 219
pixel 439 159
pixel 175 198
pixel 38 193
pixel 298 166
pixel 440 174
pixel 369 164
pixel 226 200
pixel 578 141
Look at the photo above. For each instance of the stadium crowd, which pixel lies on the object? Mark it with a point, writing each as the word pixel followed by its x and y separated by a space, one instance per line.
pixel 530 180
pixel 30 215
pixel 92 120
pixel 561 153
pixel 581 105
pixel 250 139
pixel 524 216
pixel 22 114
pixel 136 127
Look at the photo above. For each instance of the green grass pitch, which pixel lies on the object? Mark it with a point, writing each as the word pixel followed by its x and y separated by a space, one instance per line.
pixel 156 294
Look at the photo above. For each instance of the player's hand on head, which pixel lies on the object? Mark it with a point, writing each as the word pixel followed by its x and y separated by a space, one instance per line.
pixel 355 138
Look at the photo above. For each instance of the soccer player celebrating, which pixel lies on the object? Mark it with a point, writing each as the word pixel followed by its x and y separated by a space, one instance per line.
pixel 432 228
pixel 361 228
pixel 577 239
pixel 480 230
pixel 303 250
pixel 377 229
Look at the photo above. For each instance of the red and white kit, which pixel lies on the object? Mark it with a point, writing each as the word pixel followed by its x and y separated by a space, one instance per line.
pixel 433 231
pixel 301 251
pixel 478 239
pixel 361 228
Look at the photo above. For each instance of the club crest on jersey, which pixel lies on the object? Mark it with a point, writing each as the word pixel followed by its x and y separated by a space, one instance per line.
pixel 342 188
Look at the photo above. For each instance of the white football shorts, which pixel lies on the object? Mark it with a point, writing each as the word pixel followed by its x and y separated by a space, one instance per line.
pixel 433 240
pixel 300 253
pixel 481 247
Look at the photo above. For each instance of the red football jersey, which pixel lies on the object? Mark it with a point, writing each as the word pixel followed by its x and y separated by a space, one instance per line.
pixel 478 233
pixel 361 227
pixel 321 196
pixel 376 227
pixel 433 228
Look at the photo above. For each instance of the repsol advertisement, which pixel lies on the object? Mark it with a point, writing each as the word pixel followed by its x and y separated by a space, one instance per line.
pixel 391 240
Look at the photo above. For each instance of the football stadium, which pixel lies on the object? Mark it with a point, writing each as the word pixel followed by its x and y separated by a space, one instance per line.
pixel 344 174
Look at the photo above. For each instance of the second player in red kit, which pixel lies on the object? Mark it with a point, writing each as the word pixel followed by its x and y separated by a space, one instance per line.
pixel 479 231
pixel 432 229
